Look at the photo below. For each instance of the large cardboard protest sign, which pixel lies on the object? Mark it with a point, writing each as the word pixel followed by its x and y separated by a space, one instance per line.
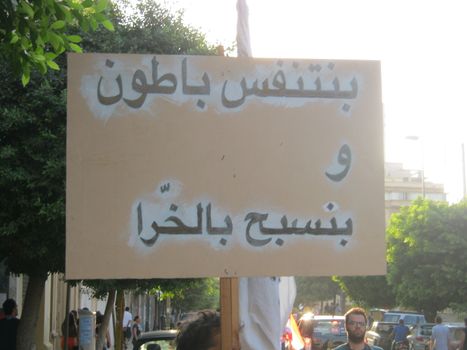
pixel 188 166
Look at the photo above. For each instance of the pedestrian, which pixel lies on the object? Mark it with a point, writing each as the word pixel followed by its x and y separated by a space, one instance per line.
pixel 202 333
pixel 400 333
pixel 72 332
pixel 126 324
pixel 440 339
pixel 9 325
pixel 463 340
pixel 355 326
pixel 135 331
pixel 306 326
pixel 338 309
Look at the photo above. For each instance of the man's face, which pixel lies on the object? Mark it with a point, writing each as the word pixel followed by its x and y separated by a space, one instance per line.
pixel 356 328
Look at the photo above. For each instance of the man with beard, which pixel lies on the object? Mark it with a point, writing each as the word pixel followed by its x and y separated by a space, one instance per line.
pixel 355 326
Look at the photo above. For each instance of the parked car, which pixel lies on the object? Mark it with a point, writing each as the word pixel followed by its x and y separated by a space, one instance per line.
pixel 376 315
pixel 328 331
pixel 419 336
pixel 455 332
pixel 380 334
pixel 156 340
pixel 409 317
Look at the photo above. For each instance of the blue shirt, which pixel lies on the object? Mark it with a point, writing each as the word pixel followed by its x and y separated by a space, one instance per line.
pixel 401 332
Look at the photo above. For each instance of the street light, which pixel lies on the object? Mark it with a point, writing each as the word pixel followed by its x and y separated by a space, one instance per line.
pixel 422 171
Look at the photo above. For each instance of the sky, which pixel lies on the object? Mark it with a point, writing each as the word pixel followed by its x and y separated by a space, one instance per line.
pixel 421 46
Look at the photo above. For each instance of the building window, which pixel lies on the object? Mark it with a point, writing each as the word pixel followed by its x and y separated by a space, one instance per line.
pixel 413 195
pixel 394 196
pixel 436 196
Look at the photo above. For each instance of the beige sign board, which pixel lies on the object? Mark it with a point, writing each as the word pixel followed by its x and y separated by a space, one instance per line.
pixel 189 166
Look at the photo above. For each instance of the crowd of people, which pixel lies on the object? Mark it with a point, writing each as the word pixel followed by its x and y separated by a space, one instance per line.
pixel 204 331
pixel 356 322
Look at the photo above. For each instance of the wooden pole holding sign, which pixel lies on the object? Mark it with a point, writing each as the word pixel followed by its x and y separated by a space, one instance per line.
pixel 229 313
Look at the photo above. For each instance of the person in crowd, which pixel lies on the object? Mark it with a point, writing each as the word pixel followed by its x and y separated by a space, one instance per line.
pixel 72 332
pixel 135 331
pixel 355 326
pixel 306 327
pixel 126 323
pixel 440 339
pixel 9 325
pixel 202 333
pixel 400 333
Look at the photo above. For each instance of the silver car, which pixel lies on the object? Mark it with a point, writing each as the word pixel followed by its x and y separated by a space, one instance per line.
pixel 419 336
pixel 156 340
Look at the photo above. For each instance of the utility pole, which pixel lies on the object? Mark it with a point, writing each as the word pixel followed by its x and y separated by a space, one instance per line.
pixel 463 172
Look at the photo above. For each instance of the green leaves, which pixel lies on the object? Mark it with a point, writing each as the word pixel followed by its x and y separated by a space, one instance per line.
pixel 58 25
pixel 53 65
pixel 46 25
pixel 101 5
pixel 25 77
pixel 108 25
pixel 75 48
pixel 26 8
pixel 32 170
pixel 427 252
pixel 315 289
pixel 14 38
pixel 74 38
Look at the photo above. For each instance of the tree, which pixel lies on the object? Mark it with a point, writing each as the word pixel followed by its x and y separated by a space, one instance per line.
pixel 32 182
pixel 368 291
pixel 114 290
pixel 315 289
pixel 427 255
pixel 204 294
pixel 34 32
pixel 33 137
pixel 146 27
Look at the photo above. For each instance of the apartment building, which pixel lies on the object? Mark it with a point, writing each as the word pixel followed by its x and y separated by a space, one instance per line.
pixel 402 186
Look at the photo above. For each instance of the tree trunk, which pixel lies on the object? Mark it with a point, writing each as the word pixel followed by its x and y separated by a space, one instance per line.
pixel 25 339
pixel 101 339
pixel 430 315
pixel 119 319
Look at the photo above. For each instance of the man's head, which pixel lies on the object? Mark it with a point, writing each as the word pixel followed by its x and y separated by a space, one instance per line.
pixel 438 319
pixel 10 307
pixel 127 309
pixel 355 324
pixel 203 333
pixel 401 322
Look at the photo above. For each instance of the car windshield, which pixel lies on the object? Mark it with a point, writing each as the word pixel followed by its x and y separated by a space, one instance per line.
pixel 329 327
pixel 391 318
pixel 426 330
